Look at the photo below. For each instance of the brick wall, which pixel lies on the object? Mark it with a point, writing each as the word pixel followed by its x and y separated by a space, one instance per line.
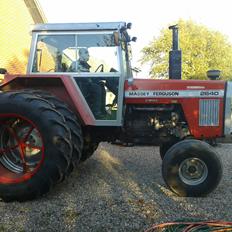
pixel 15 39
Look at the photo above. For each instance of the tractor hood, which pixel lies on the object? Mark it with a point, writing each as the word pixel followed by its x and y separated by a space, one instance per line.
pixel 145 89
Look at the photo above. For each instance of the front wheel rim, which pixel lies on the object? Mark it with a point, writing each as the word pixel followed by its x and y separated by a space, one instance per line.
pixel 193 171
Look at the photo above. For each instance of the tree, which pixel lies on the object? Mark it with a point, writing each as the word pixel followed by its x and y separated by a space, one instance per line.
pixel 202 50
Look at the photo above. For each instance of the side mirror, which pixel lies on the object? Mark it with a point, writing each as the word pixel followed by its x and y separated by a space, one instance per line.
pixel 134 39
pixel 129 25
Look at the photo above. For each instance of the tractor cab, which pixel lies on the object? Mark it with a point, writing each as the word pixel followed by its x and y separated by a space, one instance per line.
pixel 94 55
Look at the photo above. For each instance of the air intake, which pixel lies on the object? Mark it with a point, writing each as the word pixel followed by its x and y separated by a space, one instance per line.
pixel 209 112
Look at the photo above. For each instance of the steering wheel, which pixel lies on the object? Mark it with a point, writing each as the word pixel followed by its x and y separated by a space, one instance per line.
pixel 51 70
pixel 100 66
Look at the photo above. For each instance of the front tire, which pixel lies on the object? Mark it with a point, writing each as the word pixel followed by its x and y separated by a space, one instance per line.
pixel 191 168
pixel 164 147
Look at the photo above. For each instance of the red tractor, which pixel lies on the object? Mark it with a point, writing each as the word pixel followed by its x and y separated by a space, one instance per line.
pixel 79 91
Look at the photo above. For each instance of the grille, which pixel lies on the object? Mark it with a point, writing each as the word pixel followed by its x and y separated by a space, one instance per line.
pixel 209 112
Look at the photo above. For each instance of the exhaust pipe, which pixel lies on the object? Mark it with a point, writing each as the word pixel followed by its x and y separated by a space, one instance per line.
pixel 175 56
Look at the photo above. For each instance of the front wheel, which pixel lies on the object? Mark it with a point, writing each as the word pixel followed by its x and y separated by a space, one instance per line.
pixel 192 168
pixel 164 147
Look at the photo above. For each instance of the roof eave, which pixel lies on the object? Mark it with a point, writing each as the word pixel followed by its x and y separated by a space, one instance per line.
pixel 36 11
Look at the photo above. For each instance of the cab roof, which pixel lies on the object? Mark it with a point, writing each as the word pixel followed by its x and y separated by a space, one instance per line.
pixel 78 26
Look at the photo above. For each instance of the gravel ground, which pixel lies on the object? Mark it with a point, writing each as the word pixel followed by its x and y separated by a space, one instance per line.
pixel 118 189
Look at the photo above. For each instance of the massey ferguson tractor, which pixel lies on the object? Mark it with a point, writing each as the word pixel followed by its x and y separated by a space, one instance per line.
pixel 54 117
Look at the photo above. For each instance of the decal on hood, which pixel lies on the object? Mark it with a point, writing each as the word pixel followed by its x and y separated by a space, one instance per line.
pixel 173 93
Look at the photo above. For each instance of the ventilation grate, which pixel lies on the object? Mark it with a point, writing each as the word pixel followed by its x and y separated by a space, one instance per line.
pixel 209 112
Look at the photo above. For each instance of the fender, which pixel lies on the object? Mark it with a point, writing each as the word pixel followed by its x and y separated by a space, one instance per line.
pixel 62 86
pixel 190 94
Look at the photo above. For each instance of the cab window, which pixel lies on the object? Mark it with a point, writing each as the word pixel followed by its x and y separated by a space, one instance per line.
pixel 58 53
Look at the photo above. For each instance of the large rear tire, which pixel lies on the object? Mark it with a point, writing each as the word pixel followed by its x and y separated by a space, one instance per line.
pixel 71 121
pixel 192 168
pixel 35 146
pixel 88 149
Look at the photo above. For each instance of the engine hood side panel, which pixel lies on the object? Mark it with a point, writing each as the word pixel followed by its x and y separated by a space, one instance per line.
pixel 200 100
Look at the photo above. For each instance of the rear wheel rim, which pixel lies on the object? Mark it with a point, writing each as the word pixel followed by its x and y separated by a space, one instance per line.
pixel 21 149
pixel 193 171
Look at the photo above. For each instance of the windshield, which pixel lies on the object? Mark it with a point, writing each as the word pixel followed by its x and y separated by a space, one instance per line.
pixel 66 52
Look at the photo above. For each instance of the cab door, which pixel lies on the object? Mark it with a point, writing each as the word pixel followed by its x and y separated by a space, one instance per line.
pixel 99 80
